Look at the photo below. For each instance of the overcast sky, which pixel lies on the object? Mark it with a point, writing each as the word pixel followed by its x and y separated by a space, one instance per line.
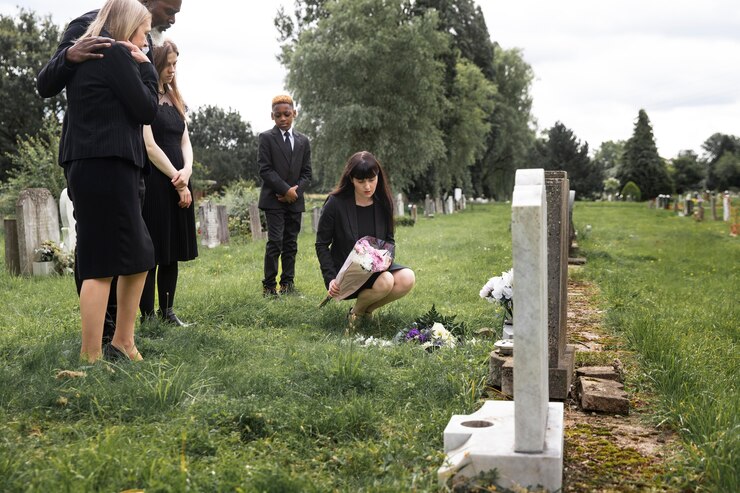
pixel 596 63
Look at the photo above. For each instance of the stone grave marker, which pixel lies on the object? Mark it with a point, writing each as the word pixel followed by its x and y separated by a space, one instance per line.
pixel 428 206
pixel 209 224
pixel 12 255
pixel 449 205
pixel 399 205
pixel 255 222
pixel 561 359
pixel 315 216
pixel 69 230
pixel 413 213
pixel 523 439
pixel 38 221
pixel 439 206
pixel 726 206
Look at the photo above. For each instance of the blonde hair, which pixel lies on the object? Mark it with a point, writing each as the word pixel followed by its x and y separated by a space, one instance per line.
pixel 282 99
pixel 121 18
pixel 160 62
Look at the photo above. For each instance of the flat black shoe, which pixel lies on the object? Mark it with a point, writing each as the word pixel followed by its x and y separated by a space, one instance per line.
pixel 269 292
pixel 112 353
pixel 169 317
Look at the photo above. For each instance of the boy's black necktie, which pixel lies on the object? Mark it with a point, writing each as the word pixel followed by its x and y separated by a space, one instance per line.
pixel 288 147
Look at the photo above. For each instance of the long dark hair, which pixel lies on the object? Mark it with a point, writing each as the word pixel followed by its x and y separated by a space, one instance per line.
pixel 362 165
pixel 160 62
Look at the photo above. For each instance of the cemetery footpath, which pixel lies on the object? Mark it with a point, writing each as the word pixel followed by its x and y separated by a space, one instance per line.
pixel 271 396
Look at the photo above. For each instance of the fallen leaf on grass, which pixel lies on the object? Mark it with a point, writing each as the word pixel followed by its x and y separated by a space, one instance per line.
pixel 70 374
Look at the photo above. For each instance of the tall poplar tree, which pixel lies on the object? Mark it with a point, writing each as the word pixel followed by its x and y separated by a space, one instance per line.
pixel 641 162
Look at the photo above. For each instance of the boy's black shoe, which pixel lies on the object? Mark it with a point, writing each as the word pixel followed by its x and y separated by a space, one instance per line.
pixel 269 292
pixel 287 288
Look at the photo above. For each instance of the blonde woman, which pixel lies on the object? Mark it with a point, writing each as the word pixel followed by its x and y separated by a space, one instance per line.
pixel 102 151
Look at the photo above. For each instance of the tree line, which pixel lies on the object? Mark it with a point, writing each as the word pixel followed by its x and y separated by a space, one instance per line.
pixel 421 84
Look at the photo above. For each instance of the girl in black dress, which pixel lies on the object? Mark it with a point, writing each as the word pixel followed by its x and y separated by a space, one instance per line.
pixel 360 205
pixel 102 151
pixel 168 205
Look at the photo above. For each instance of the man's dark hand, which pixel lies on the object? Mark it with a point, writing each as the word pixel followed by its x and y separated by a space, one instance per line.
pixel 85 48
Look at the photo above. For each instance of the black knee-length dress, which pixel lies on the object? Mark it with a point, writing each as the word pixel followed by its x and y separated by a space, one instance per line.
pixel 171 227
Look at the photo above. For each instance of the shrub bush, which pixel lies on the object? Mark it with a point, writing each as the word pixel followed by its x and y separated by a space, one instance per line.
pixel 631 192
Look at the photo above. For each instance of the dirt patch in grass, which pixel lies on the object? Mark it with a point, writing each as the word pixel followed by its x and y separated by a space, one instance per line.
pixel 610 453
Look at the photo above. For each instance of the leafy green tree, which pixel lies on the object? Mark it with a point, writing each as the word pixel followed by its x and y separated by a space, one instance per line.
pixel 608 157
pixel 224 144
pixel 512 138
pixel 687 171
pixel 35 164
pixel 563 151
pixel 715 147
pixel 26 44
pixel 642 164
pixel 727 171
pixel 367 76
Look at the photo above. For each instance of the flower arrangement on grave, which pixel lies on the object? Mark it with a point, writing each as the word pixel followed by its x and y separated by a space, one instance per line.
pixel 500 289
pixel 45 253
pixel 49 251
pixel 432 331
pixel 369 255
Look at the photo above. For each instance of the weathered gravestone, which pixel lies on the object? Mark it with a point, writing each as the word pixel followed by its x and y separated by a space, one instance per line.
pixel 255 223
pixel 399 205
pixel 523 439
pixel 413 213
pixel 449 205
pixel 214 224
pixel 429 207
pixel 38 221
pixel 561 356
pixel 726 206
pixel 12 256
pixel 315 216
pixel 439 206
pixel 69 229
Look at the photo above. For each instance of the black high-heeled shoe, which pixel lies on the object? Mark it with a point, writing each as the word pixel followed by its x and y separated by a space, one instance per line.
pixel 169 317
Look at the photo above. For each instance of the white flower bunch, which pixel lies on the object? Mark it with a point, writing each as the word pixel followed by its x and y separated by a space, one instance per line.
pixel 500 289
pixel 440 337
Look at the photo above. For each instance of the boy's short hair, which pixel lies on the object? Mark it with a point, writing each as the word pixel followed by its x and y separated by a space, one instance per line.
pixel 282 99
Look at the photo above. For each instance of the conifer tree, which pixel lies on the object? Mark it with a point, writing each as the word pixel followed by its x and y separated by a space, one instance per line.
pixel 642 164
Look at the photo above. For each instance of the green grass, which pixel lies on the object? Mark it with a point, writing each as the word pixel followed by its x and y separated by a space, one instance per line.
pixel 269 396
pixel 672 289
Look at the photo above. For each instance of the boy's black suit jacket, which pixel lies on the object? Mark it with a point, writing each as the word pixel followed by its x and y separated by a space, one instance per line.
pixel 280 170
pixel 338 231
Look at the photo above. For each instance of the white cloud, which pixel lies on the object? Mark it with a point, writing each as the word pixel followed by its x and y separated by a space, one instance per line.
pixel 596 62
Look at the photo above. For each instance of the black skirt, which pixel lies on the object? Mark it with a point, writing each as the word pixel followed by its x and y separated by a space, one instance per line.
pixel 112 239
pixel 373 277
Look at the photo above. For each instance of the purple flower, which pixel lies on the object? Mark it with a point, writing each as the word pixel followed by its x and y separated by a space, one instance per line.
pixel 424 336
pixel 412 334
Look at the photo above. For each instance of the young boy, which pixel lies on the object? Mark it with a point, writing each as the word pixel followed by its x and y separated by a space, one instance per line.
pixel 285 168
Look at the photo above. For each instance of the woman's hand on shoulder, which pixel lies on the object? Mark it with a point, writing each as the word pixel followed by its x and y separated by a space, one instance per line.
pixel 136 53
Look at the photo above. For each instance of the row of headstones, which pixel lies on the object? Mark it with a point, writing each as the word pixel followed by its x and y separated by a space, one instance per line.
pixel 451 203
pixel 693 205
pixel 36 221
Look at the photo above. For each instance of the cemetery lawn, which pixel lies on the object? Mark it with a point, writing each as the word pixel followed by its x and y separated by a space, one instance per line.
pixel 269 395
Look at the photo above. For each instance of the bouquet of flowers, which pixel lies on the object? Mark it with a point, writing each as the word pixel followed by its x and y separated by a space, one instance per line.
pixel 46 252
pixel 369 255
pixel 500 290
pixel 50 252
pixel 432 331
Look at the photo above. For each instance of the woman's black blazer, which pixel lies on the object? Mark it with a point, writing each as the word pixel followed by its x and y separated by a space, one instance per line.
pixel 109 99
pixel 337 233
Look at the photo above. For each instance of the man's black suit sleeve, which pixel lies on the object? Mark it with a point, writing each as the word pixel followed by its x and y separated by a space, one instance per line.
pixel 55 74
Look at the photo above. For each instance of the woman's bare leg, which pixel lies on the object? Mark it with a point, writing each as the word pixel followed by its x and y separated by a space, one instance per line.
pixel 93 300
pixel 128 298
pixel 403 282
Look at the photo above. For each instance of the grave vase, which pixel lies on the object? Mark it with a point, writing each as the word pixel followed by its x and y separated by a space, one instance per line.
pixel 508 329
pixel 41 269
